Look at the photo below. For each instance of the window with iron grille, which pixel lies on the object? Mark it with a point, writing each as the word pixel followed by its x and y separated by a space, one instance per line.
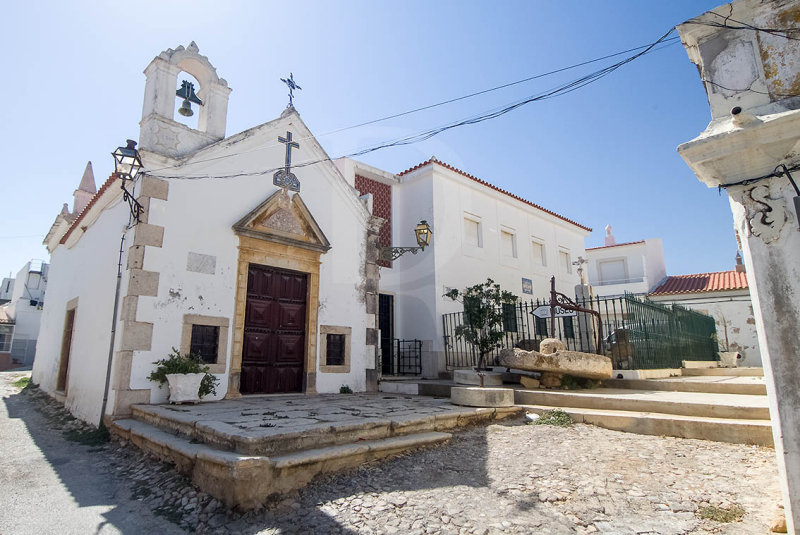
pixel 541 326
pixel 334 350
pixel 569 328
pixel 509 317
pixel 205 343
pixel 6 333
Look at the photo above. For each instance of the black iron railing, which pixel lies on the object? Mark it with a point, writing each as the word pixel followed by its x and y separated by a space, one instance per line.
pixel 637 333
pixel 405 358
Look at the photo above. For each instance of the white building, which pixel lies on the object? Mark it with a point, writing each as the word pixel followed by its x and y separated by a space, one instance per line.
pixel 276 289
pixel 633 267
pixel 724 295
pixel 23 312
pixel 479 231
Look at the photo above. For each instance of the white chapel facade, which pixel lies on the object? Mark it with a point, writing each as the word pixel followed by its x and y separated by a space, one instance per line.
pixel 276 287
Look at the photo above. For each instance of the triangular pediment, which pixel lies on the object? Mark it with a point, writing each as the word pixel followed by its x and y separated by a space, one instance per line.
pixel 283 218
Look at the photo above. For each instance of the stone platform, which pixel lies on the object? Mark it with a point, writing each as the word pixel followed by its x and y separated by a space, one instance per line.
pixel 243 451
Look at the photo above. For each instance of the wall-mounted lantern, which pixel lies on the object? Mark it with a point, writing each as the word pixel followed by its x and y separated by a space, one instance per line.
pixel 127 164
pixel 423 234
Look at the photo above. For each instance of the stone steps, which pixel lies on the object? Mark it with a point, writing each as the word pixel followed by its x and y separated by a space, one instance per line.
pixel 699 404
pixel 731 372
pixel 293 438
pixel 245 481
pixel 712 387
pixel 243 451
pixel 736 431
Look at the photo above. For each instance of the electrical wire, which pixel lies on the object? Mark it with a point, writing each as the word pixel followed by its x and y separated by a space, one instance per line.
pixel 777 173
pixel 560 90
pixel 779 32
pixel 783 95
pixel 669 41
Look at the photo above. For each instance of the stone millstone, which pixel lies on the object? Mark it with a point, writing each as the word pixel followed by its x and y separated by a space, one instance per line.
pixel 574 363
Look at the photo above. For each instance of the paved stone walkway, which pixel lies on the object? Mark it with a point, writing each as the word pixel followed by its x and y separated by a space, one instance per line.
pixel 504 478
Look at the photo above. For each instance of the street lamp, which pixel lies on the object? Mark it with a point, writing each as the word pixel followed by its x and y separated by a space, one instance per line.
pixel 127 164
pixel 423 234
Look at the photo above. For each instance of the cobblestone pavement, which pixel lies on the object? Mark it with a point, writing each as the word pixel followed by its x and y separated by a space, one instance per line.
pixel 504 478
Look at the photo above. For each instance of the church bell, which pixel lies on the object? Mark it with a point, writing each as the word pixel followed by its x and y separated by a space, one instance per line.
pixel 187 93
pixel 186 108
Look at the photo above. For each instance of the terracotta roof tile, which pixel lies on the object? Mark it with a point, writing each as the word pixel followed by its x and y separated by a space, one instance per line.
pixel 487 184
pixel 615 245
pixel 702 282
pixel 97 195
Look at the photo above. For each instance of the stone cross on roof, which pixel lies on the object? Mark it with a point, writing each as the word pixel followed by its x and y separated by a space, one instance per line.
pixel 284 177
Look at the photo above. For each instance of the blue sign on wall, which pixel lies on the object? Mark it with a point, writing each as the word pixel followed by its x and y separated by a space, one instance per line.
pixel 527 286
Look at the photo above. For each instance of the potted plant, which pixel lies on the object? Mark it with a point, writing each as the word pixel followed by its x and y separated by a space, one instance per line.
pixel 187 376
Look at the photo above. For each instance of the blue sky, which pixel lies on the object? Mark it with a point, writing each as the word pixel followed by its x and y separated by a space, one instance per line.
pixel 602 154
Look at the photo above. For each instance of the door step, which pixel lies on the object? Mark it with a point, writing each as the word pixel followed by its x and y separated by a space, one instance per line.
pixel 753 386
pixel 758 432
pixel 696 404
pixel 739 372
pixel 247 481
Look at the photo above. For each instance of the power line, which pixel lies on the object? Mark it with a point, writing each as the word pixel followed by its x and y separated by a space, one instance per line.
pixel 779 32
pixel 492 114
pixel 669 41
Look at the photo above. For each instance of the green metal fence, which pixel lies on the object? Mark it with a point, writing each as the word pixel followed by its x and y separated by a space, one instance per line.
pixel 637 333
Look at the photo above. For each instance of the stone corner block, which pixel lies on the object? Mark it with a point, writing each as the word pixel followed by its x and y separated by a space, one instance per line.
pixel 146 234
pixel 135 257
pixel 125 398
pixel 155 188
pixel 143 283
pixel 136 336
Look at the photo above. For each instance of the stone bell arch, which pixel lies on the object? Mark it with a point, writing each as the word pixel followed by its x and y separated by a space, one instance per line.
pixel 160 133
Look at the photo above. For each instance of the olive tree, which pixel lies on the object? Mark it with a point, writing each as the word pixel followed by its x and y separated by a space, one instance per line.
pixel 483 316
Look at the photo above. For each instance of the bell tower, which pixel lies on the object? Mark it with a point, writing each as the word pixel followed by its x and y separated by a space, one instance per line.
pixel 160 132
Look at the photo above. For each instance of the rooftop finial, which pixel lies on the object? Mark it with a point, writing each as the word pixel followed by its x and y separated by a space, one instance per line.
pixel 610 239
pixel 292 86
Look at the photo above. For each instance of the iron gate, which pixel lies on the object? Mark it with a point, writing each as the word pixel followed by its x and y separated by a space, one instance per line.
pixel 637 333
pixel 405 358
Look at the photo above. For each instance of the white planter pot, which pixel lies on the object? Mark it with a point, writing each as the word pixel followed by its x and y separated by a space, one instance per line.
pixel 184 386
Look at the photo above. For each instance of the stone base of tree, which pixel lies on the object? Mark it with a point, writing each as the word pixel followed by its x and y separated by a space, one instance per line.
pixel 475 396
pixel 471 377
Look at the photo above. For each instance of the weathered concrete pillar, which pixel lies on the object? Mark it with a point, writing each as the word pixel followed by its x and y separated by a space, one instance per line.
pixel 586 322
pixel 749 78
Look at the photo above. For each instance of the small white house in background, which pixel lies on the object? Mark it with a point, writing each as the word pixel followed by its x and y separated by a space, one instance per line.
pixel 23 312
pixel 633 267
pixel 6 289
pixel 275 288
pixel 479 231
pixel 724 295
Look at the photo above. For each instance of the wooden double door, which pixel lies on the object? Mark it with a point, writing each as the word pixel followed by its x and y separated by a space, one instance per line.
pixel 273 352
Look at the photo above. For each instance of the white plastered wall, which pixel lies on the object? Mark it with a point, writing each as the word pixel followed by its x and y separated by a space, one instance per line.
pixel 86 271
pixel 198 217
pixel 443 198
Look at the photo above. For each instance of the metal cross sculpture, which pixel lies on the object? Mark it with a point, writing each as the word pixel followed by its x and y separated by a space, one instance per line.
pixel 579 262
pixel 284 178
pixel 292 86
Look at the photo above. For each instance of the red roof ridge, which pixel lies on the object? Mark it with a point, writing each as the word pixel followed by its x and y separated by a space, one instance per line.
pixel 492 186
pixel 715 281
pixel 615 245
pixel 91 203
